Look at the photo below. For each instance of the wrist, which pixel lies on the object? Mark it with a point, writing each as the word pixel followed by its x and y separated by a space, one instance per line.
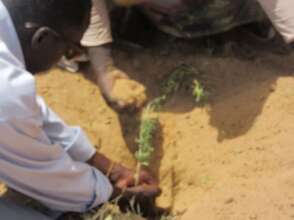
pixel 100 162
pixel 115 172
pixel 101 59
pixel 110 169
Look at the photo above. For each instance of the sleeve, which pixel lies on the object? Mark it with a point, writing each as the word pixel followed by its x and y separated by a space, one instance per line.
pixel 99 31
pixel 71 139
pixel 47 173
pixel 33 160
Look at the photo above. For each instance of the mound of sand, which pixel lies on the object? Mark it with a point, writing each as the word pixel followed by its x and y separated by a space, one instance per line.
pixel 231 159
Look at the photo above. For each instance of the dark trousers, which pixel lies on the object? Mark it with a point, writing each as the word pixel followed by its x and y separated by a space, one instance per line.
pixel 12 211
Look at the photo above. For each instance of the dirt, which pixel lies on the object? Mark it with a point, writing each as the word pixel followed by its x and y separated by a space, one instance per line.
pixel 2 188
pixel 128 92
pixel 231 158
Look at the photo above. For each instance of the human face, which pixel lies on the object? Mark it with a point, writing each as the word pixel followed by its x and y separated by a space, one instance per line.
pixel 47 45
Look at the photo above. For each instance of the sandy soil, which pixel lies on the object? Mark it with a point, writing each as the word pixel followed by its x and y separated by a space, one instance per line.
pixel 232 158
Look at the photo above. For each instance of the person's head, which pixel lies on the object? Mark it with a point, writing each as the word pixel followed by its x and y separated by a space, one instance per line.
pixel 47 28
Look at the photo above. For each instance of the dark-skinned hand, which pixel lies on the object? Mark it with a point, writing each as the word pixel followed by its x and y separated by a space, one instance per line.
pixel 123 180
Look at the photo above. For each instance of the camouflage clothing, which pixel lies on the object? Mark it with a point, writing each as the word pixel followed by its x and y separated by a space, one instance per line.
pixel 196 18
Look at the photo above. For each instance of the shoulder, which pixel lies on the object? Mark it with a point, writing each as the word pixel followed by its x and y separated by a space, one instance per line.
pixel 17 87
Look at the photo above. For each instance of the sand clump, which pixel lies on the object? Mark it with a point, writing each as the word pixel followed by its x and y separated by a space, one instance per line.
pixel 128 92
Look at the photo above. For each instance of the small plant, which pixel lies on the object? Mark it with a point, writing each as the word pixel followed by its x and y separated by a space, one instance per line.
pixel 180 77
pixel 148 127
pixel 198 91
pixel 183 76
pixel 156 104
pixel 145 150
pixel 177 79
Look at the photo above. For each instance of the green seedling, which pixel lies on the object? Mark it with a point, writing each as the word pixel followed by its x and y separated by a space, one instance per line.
pixel 145 141
pixel 145 150
pixel 183 76
pixel 156 104
pixel 172 83
pixel 198 91
pixel 177 79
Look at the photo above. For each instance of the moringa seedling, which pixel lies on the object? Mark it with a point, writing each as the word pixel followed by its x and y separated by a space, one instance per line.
pixel 198 91
pixel 156 104
pixel 145 150
pixel 177 79
pixel 148 127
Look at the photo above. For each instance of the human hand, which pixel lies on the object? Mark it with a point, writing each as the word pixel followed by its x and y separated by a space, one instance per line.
pixel 123 179
pixel 124 183
pixel 120 91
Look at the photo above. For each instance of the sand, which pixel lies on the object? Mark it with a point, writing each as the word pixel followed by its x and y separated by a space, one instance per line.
pixel 128 92
pixel 231 158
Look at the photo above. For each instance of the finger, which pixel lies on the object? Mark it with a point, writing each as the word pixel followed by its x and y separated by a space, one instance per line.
pixel 121 104
pixel 126 182
pixel 123 184
pixel 116 193
pixel 143 191
pixel 140 101
pixel 147 178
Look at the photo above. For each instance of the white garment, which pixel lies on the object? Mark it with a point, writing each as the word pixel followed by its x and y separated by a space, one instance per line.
pixel 40 155
pixel 281 13
pixel 99 31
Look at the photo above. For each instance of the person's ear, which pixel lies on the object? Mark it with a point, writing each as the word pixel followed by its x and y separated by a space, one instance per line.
pixel 44 37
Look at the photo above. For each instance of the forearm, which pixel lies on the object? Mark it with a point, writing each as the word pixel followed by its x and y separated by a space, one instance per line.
pixel 114 171
pixel 48 174
pixel 71 139
pixel 101 162
pixel 100 58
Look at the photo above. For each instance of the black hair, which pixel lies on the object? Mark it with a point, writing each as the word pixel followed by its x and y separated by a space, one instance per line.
pixel 59 15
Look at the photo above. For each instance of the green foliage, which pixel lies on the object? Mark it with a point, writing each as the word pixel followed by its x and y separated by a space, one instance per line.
pixel 145 141
pixel 198 91
pixel 172 83
pixel 156 104
pixel 184 76
pixel 177 79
